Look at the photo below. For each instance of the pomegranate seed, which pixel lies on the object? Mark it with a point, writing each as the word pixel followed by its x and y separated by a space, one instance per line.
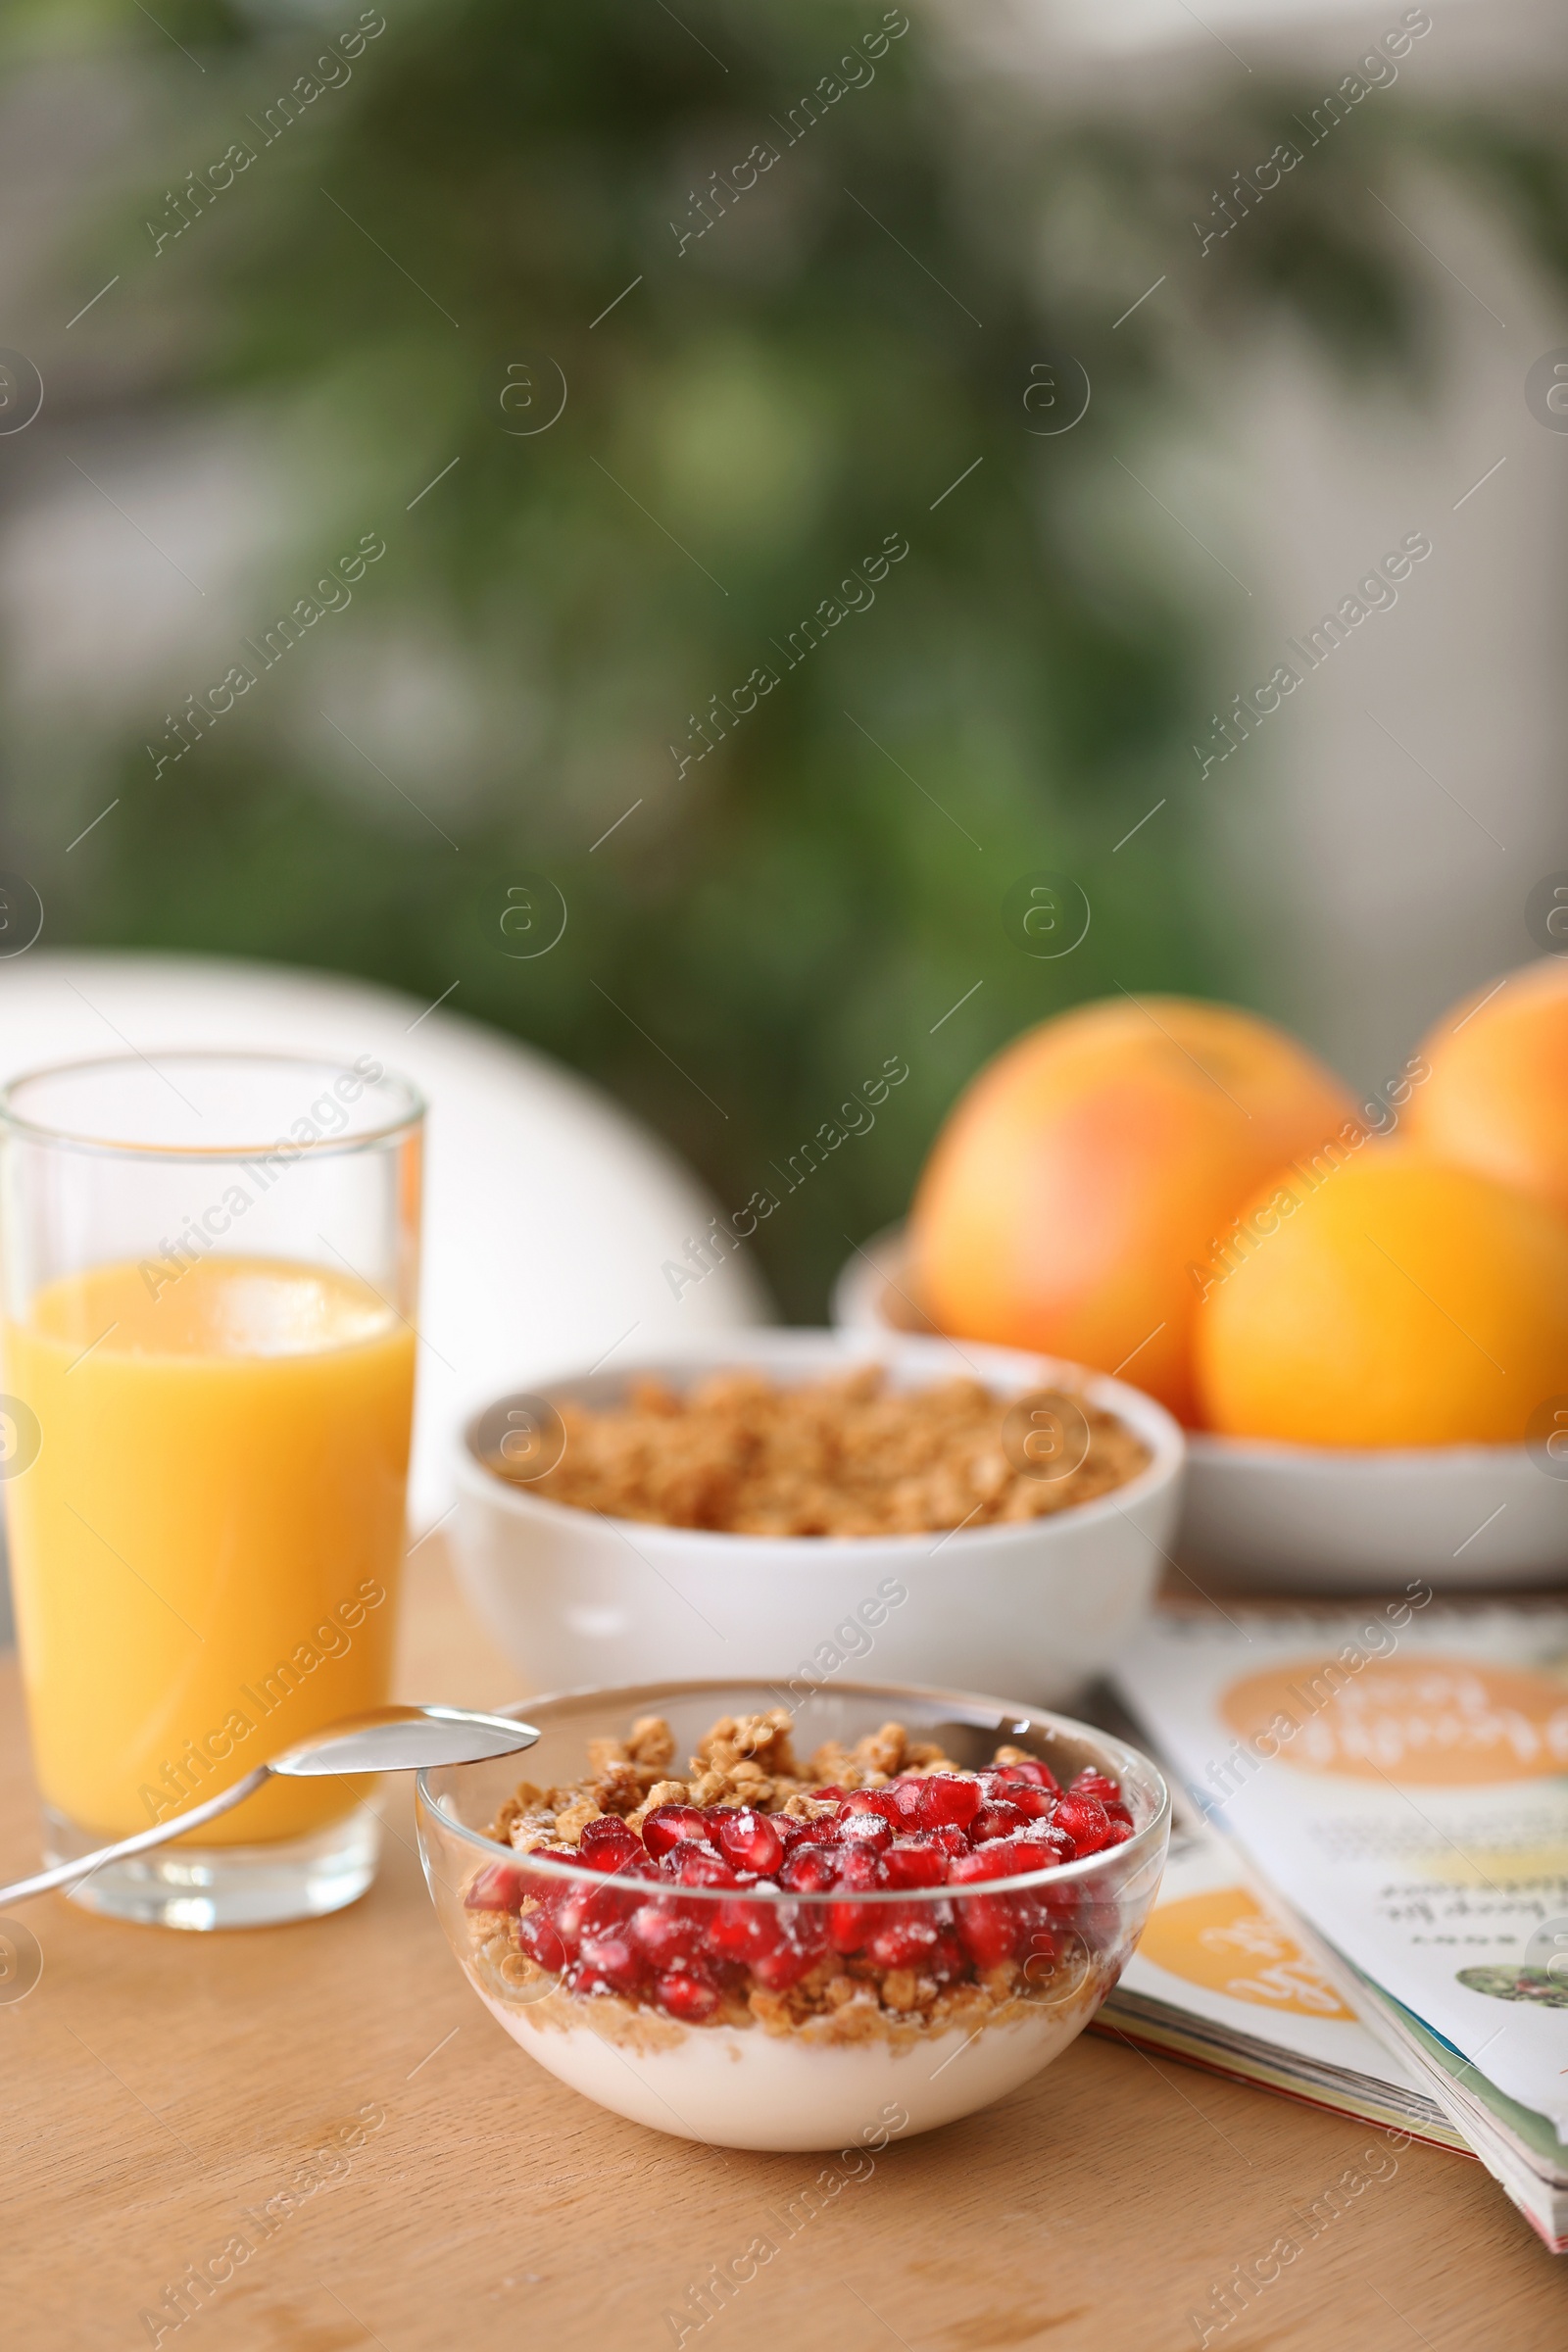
pixel 811 1869
pixel 993 1861
pixel 694 1865
pixel 1057 1910
pixel 988 1929
pixel 831 1793
pixel 1085 1821
pixel 742 1931
pixel 951 1839
pixel 1015 1856
pixel 615 1900
pixel 1089 1783
pixel 860 1867
pixel 544 1884
pixel 1031 1773
pixel 616 1903
pixel 601 1905
pixel 918 1861
pixel 499 1887
pixel 607 1843
pixel 908 1807
pixel 1035 1803
pixel 870 1830
pixel 996 1819
pixel 749 1841
pixel 666 1931
pixel 776 1971
pixel 876 1800
pixel 946 1958
pixel 949 1798
pixel 902 1938
pixel 806 1926
pixel 571 1916
pixel 607 1963
pixel 613 1908
pixel 851 1925
pixel 687 1995
pixel 667 1825
pixel 538 1939
pixel 1120 1830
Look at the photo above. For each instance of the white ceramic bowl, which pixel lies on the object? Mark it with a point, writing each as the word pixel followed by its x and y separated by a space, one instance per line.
pixel 1035 1609
pixel 1311 1518
pixel 1316 1517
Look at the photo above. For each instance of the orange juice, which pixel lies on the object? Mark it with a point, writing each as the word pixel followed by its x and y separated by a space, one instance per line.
pixel 207 1550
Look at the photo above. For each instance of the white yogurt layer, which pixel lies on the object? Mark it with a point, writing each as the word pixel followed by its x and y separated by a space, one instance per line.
pixel 740 2087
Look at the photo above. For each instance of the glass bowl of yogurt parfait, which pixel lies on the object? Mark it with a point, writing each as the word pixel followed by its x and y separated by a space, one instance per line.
pixel 766 1920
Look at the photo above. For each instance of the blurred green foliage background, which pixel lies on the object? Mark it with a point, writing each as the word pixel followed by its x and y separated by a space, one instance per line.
pixel 763 406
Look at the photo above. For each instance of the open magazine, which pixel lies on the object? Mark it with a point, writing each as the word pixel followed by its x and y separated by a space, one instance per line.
pixel 1398 1781
pixel 1220 1979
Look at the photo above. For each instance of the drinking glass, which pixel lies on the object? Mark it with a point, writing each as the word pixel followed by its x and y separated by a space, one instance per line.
pixel 208 1267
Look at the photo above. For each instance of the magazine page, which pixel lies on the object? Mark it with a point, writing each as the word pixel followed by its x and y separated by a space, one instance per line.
pixel 1402 1776
pixel 1213 1951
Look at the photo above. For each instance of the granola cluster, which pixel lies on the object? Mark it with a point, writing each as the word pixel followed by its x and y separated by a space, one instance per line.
pixel 844 1456
pixel 751 1821
pixel 744 1760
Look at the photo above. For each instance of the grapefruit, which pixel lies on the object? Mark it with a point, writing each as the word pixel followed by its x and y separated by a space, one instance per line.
pixel 1077 1195
pixel 1399 1300
pixel 1497 1095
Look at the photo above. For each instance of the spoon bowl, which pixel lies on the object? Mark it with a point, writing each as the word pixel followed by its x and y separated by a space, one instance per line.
pixel 401 1739
pixel 397 1738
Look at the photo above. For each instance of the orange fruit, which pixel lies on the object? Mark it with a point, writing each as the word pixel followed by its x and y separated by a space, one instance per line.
pixel 1086 1173
pixel 1399 1302
pixel 1497 1097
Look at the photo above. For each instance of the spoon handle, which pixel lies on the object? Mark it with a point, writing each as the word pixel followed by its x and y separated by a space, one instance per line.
pixel 65 1873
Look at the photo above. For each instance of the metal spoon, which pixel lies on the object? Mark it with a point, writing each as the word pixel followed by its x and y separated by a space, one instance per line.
pixel 385 1739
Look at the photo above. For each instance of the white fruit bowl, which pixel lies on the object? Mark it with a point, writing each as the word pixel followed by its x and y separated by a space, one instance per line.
pixel 1035 1608
pixel 1309 1518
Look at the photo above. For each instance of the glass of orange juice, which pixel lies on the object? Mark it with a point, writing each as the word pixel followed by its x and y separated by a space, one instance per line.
pixel 208 1265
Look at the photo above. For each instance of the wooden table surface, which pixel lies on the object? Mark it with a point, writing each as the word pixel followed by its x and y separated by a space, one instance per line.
pixel 154 2085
